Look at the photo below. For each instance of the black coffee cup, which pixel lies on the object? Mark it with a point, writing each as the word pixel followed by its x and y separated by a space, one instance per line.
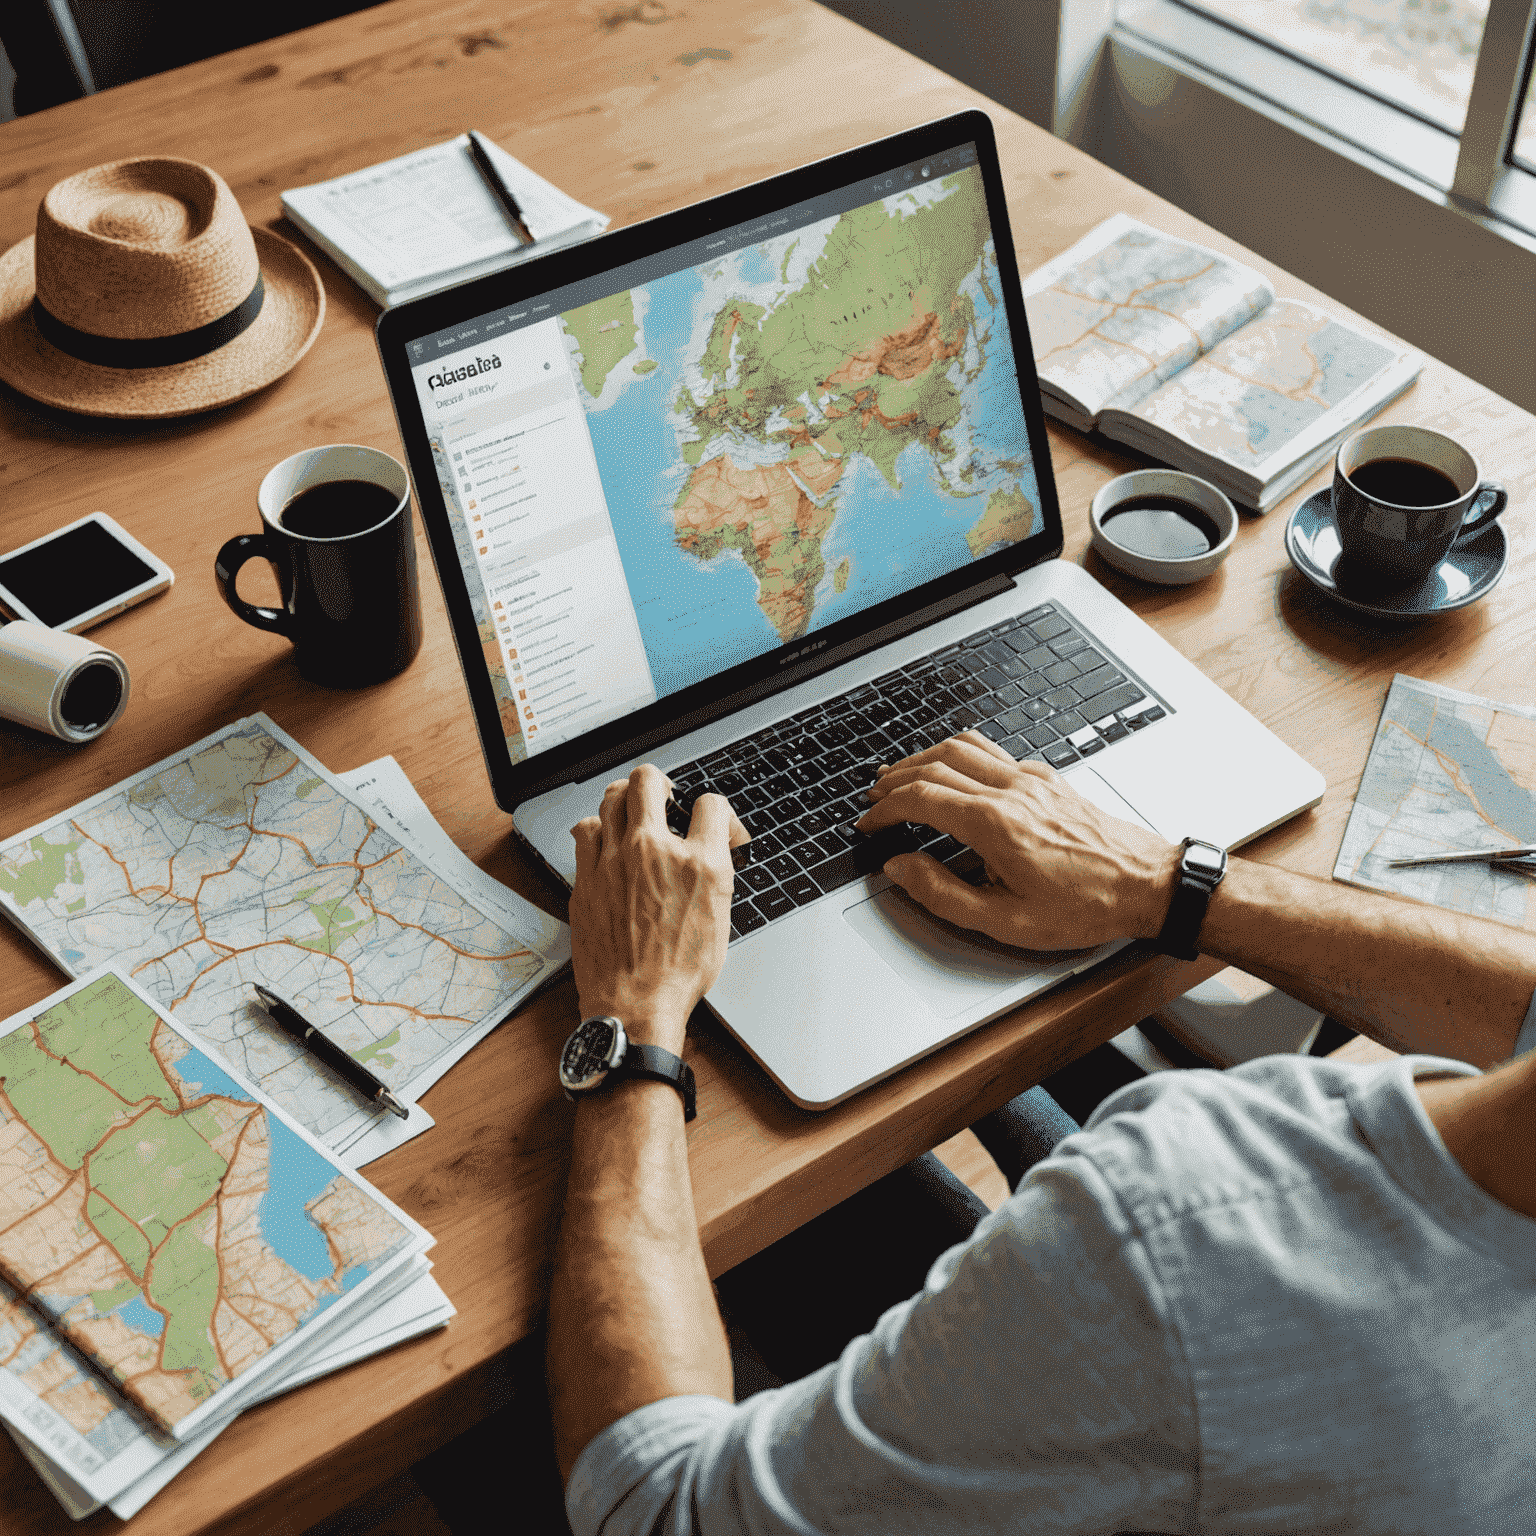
pixel 339 537
pixel 1402 496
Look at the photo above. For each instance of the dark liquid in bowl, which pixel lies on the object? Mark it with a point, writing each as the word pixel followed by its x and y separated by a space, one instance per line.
pixel 1162 527
pixel 338 508
pixel 1403 483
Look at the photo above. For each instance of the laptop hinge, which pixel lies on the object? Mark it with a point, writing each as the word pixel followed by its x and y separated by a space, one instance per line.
pixel 635 746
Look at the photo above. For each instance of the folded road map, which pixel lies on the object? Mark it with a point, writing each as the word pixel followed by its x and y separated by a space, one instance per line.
pixel 170 1241
pixel 240 860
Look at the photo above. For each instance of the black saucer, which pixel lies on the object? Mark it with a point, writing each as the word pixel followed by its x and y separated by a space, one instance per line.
pixel 1469 571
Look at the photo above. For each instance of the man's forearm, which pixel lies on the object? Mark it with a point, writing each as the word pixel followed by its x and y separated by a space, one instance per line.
pixel 632 1315
pixel 1417 978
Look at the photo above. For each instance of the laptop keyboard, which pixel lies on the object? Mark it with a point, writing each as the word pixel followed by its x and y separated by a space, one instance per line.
pixel 1039 685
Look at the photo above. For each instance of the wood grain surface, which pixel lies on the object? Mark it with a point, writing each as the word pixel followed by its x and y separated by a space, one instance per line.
pixel 635 109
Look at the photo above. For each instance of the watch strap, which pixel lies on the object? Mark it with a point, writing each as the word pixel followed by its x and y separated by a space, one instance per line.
pixel 657 1065
pixel 1186 912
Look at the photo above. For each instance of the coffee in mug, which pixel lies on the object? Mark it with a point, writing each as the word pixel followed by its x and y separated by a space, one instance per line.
pixel 338 535
pixel 1402 496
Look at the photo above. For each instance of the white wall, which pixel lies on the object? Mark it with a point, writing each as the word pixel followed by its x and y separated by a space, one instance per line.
pixel 1440 280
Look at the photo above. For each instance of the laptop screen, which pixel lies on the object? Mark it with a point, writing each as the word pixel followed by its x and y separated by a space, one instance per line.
pixel 668 469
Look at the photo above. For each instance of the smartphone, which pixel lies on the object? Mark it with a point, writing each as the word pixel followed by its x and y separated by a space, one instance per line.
pixel 79 575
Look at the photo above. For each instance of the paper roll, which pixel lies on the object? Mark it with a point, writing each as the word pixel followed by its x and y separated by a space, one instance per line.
pixel 60 683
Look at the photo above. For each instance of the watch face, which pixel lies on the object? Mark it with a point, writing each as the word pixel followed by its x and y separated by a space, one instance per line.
pixel 1202 858
pixel 590 1054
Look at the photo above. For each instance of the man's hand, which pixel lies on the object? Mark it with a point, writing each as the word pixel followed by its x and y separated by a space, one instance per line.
pixel 650 911
pixel 1065 875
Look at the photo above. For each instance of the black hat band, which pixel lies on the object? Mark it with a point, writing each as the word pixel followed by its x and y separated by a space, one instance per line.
pixel 149 351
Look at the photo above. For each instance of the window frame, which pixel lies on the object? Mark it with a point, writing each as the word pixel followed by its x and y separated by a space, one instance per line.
pixel 1474 171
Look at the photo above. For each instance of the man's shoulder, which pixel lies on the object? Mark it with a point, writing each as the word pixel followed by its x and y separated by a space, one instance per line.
pixel 1178 1144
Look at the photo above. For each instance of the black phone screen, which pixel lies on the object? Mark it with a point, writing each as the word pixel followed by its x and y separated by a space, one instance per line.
pixel 73 573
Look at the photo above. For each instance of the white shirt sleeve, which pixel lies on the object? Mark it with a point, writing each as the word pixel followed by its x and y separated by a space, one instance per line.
pixel 1035 1371
pixel 1526 1039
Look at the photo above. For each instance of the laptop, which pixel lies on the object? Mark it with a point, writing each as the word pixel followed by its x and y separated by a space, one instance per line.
pixel 759 491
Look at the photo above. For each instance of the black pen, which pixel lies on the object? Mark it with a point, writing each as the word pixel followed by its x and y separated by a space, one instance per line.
pixel 353 1073
pixel 499 189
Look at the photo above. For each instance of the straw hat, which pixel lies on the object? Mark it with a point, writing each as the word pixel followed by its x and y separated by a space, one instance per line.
pixel 151 296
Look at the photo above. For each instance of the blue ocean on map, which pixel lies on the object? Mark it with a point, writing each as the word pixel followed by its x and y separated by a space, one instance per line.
pixel 697 618
pixel 295 1175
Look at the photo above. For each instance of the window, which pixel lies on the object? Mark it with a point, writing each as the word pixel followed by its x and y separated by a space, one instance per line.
pixel 1418 54
pixel 1441 89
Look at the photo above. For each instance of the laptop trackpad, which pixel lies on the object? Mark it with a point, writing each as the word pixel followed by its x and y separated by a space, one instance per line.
pixel 953 969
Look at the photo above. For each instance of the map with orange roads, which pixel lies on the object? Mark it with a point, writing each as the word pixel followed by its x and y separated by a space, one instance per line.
pixel 1448 771
pixel 1132 313
pixel 807 426
pixel 161 1229
pixel 1260 387
pixel 241 860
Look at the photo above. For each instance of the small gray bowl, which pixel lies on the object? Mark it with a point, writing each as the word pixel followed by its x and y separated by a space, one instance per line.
pixel 1163 482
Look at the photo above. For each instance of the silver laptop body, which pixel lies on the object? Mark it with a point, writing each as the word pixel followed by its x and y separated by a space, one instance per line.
pixel 830 983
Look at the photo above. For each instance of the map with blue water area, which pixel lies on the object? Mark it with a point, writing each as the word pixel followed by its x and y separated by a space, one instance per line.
pixel 166 1229
pixel 1448 772
pixel 808 426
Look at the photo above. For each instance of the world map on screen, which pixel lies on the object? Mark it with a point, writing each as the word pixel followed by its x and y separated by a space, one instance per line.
pixel 808 426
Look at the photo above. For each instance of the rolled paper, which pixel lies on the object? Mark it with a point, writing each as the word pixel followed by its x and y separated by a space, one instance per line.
pixel 60 683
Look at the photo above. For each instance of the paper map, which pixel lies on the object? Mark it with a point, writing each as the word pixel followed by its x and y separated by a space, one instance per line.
pixel 165 1222
pixel 241 859
pixel 1447 771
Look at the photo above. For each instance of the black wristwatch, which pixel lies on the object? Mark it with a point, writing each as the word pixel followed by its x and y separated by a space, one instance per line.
pixel 1200 870
pixel 599 1053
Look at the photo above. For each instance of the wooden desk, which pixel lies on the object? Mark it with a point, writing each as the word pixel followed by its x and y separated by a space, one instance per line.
pixel 634 109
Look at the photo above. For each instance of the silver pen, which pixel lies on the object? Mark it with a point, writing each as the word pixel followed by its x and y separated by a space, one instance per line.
pixel 1468 856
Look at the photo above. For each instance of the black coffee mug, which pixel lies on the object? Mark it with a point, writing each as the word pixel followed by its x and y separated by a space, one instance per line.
pixel 351 597
pixel 1402 496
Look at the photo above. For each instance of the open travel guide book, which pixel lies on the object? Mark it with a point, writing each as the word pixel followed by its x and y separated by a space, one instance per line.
pixel 173 1247
pixel 1188 356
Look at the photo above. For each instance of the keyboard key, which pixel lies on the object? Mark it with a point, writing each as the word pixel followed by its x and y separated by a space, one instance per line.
pixel 1101 704
pixel 1015 720
pixel 745 918
pixel 1114 730
pixel 968 688
pixel 962 720
pixel 1065 697
pixel 1099 679
pixel 757 878
pixel 1048 629
pixel 1038 735
pixel 764 846
pixel 802 889
pixel 787 809
pixel 945 848
pixel 870 854
pixel 1037 709
pixel 814 823
pixel 775 904
pixel 784 866
pixel 1155 713
pixel 1089 748
pixel 1016 746
pixel 992 679
pixel 1034 614
pixel 831 844
pixel 1070 645
pixel 1039 656
pixel 806 856
pixel 1061 672
pixel 1009 696
pixel 1058 754
pixel 816 795
pixel 997 653
pixel 993 730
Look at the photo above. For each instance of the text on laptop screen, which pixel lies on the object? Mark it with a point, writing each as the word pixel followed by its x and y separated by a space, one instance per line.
pixel 658 483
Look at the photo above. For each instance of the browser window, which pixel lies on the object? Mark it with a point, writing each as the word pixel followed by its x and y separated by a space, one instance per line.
pixel 679 466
